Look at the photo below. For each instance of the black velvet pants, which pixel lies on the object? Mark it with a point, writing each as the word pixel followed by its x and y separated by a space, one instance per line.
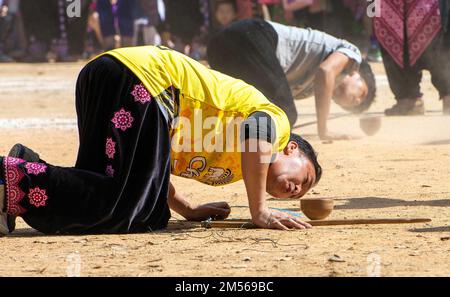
pixel 247 50
pixel 121 178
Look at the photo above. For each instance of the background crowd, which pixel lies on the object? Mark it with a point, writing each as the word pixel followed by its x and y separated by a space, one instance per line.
pixel 409 36
pixel 39 31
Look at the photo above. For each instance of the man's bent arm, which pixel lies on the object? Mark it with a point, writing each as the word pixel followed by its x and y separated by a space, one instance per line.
pixel 324 84
pixel 255 167
pixel 177 203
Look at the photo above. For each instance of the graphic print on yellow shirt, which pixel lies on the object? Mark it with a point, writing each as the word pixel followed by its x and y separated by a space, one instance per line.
pixel 205 109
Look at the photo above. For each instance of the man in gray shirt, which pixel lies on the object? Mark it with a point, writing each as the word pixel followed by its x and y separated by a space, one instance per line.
pixel 283 62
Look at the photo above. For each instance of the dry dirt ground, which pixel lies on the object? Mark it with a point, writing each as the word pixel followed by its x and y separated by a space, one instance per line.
pixel 401 172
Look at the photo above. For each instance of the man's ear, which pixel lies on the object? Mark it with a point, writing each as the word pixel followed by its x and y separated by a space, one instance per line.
pixel 291 148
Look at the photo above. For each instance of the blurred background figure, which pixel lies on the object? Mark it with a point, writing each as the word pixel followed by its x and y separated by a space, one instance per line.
pixel 273 10
pixel 184 21
pixel 150 15
pixel 362 29
pixel 316 14
pixel 247 9
pixel 225 13
pixel 5 27
pixel 345 19
pixel 414 38
pixel 94 42
pixel 50 33
pixel 12 34
pixel 117 19
pixel 76 29
pixel 41 26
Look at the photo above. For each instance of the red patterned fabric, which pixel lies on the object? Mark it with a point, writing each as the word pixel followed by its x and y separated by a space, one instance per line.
pixel 35 168
pixel 141 94
pixel 14 194
pixel 123 119
pixel 110 148
pixel 423 23
pixel 38 197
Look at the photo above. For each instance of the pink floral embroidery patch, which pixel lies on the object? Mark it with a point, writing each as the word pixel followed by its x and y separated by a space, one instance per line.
pixel 122 119
pixel 14 195
pixel 35 168
pixel 141 94
pixel 38 197
pixel 109 171
pixel 110 148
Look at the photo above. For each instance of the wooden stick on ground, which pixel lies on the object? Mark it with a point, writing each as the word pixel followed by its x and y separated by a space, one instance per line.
pixel 247 224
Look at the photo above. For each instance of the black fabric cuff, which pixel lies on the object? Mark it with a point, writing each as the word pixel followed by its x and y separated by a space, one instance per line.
pixel 259 125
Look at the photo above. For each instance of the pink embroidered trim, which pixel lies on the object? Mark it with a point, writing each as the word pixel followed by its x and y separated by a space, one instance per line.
pixel 35 168
pixel 122 119
pixel 14 195
pixel 109 171
pixel 38 197
pixel 110 148
pixel 141 94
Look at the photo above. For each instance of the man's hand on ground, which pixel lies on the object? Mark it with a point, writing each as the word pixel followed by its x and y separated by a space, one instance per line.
pixel 215 210
pixel 274 219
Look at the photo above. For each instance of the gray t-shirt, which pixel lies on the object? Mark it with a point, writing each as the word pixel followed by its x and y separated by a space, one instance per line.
pixel 301 51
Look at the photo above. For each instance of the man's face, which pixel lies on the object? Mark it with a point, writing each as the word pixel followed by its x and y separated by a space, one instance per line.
pixel 225 14
pixel 351 91
pixel 292 175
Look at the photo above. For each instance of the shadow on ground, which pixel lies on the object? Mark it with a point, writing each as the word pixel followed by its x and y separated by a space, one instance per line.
pixel 174 227
pixel 378 202
pixel 432 229
pixel 438 142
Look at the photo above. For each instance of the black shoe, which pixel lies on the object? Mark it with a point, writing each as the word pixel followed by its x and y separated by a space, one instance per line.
pixel 406 108
pixel 22 152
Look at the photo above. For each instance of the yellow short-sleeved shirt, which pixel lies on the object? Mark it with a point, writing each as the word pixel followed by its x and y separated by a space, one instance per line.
pixel 204 108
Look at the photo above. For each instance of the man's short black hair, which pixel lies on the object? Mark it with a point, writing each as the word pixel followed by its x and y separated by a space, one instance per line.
pixel 367 74
pixel 306 148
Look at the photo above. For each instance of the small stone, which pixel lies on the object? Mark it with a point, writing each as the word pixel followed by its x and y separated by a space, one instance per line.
pixel 400 247
pixel 247 259
pixel 82 241
pixel 44 242
pixel 336 258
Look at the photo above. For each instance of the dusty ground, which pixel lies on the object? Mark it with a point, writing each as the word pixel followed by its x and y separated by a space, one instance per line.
pixel 401 172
